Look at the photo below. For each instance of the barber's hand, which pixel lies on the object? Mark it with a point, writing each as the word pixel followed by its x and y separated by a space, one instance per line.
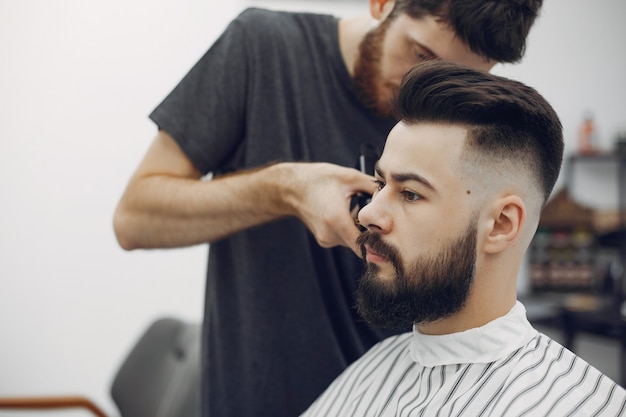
pixel 321 195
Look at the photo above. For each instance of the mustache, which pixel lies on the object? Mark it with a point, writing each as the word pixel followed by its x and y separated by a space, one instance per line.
pixel 378 245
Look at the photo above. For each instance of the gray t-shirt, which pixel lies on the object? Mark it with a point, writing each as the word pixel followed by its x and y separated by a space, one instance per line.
pixel 279 318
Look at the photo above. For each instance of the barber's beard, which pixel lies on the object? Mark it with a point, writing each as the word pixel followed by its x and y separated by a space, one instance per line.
pixel 433 287
pixel 367 74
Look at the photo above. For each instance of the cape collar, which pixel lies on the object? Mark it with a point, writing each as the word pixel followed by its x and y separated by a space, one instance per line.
pixel 485 344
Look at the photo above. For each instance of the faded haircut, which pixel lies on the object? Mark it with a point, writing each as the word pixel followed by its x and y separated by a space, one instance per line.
pixel 506 120
pixel 494 29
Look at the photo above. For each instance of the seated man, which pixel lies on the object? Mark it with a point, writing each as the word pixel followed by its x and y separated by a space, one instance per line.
pixel 461 184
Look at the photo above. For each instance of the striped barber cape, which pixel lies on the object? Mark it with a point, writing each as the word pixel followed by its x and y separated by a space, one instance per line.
pixel 504 368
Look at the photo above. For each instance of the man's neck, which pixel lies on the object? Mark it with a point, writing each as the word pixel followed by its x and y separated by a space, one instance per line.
pixel 477 312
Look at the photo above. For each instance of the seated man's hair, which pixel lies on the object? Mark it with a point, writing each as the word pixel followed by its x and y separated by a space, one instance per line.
pixel 505 118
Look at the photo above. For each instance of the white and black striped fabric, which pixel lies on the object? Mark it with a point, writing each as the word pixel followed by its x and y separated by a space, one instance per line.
pixel 505 368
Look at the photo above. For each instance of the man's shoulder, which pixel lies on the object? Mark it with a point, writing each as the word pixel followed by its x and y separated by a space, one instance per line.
pixel 392 345
pixel 288 35
pixel 277 19
pixel 257 14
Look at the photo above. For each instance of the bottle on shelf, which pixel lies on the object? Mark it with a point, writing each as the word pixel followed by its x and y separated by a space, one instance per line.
pixel 587 135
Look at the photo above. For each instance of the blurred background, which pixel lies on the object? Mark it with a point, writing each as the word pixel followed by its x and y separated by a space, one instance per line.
pixel 77 81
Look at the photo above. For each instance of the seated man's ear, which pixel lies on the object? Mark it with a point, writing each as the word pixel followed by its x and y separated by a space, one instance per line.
pixel 506 221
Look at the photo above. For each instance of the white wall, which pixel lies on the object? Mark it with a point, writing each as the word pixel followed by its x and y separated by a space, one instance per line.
pixel 576 59
pixel 77 80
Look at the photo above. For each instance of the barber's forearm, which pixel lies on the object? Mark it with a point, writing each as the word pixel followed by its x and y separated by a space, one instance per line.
pixel 163 212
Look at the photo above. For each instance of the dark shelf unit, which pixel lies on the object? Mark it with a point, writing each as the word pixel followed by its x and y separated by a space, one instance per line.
pixel 565 265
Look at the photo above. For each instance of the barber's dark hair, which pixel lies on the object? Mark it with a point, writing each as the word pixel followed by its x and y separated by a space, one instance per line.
pixel 495 29
pixel 504 118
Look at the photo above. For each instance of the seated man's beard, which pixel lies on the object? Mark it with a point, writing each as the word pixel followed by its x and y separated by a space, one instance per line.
pixel 434 287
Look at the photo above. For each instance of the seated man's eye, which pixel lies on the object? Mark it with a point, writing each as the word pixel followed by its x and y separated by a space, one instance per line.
pixel 411 196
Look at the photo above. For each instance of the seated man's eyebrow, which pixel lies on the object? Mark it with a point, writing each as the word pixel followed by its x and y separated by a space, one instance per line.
pixel 404 177
pixel 410 176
